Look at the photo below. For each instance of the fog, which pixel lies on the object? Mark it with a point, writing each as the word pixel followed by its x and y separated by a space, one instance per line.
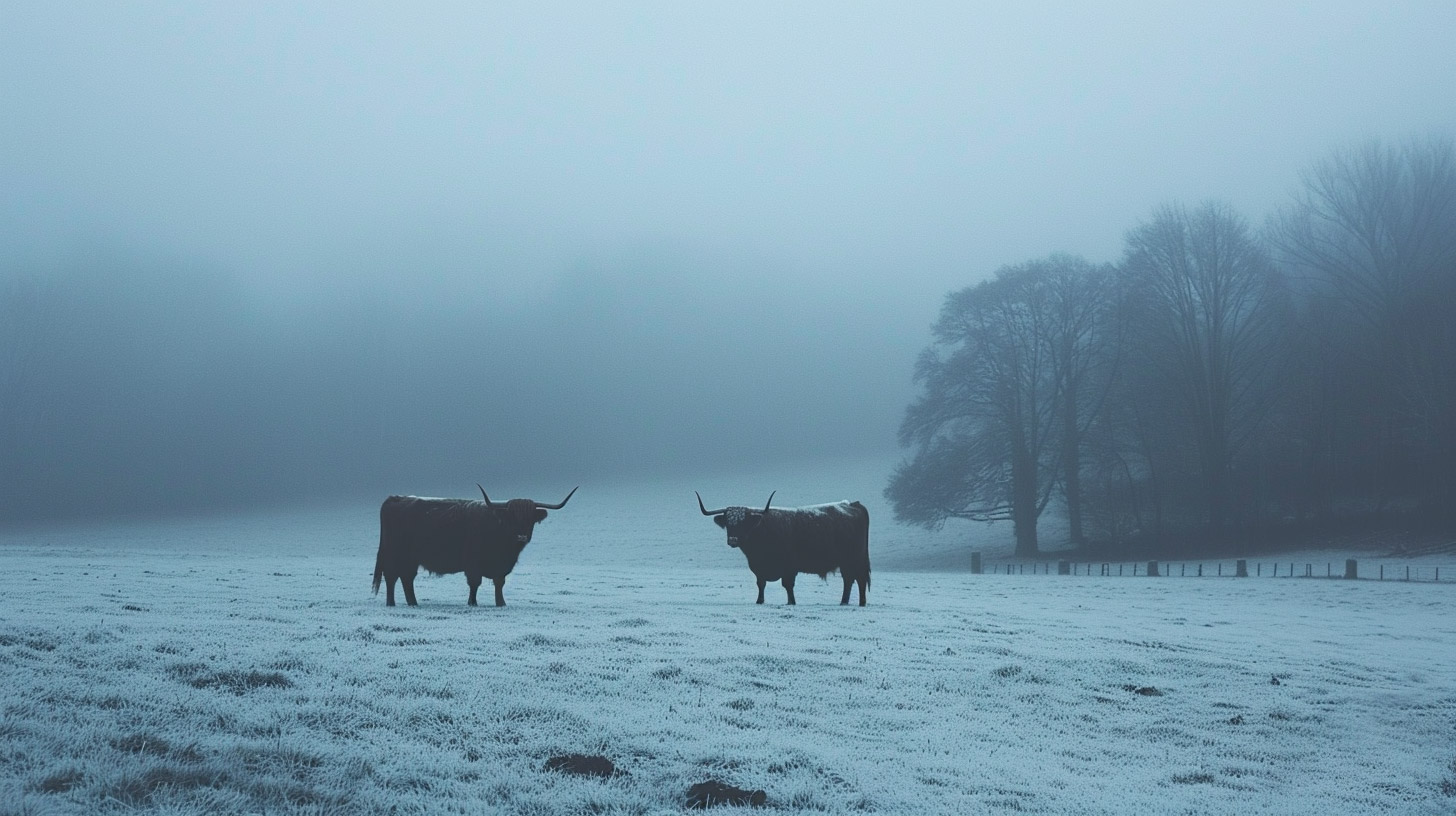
pixel 262 253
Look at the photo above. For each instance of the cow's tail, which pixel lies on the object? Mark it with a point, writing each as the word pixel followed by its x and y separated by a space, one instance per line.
pixel 379 563
pixel 865 544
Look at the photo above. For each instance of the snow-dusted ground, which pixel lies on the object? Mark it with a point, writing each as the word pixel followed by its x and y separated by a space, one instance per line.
pixel 237 665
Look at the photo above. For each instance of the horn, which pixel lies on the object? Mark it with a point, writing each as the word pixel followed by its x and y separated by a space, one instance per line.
pixel 563 501
pixel 482 495
pixel 705 510
pixel 770 501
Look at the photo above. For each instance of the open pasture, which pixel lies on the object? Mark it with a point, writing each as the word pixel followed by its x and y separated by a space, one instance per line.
pixel 240 664
pixel 185 682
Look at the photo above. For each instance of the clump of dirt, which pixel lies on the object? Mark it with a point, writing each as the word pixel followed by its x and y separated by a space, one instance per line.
pixel 582 765
pixel 1146 691
pixel 712 792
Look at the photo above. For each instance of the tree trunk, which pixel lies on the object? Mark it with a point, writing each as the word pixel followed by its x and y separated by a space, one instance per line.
pixel 1072 469
pixel 1023 501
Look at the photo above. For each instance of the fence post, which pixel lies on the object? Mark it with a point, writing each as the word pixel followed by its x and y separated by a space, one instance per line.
pixel 1351 569
pixel 1200 570
pixel 1382 572
pixel 1241 569
pixel 1152 569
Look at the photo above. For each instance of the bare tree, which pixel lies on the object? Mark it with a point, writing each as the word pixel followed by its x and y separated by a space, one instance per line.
pixel 1005 405
pixel 1085 347
pixel 1374 228
pixel 1210 307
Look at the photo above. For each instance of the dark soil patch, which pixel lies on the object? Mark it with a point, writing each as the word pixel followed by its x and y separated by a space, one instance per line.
pixel 712 792
pixel 582 765
pixel 1146 691
pixel 1193 779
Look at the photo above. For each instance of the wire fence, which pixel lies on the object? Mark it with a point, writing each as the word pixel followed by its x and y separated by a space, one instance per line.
pixel 1350 569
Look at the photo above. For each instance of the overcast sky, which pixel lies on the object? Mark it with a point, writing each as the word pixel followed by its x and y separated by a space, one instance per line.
pixel 779 192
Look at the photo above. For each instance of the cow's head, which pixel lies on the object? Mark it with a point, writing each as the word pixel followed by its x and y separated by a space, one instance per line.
pixel 518 517
pixel 740 522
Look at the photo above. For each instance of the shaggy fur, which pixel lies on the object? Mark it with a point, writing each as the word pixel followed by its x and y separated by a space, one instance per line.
pixel 451 535
pixel 780 543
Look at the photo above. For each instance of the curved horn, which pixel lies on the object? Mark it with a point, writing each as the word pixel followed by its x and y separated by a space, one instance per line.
pixel 483 496
pixel 705 510
pixel 770 501
pixel 563 501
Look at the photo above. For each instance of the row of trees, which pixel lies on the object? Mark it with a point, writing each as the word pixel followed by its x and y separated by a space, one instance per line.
pixel 1218 379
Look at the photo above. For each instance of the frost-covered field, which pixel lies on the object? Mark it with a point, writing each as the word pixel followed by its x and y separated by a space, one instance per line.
pixel 241 665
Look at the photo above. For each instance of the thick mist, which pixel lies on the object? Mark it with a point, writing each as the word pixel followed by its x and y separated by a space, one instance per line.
pixel 266 253
pixel 151 388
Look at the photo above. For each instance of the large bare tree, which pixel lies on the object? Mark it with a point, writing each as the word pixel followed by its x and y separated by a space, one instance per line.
pixel 1373 229
pixel 1210 306
pixel 1008 395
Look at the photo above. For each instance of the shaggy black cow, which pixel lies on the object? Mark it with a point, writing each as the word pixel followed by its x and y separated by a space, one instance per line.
pixel 780 543
pixel 478 538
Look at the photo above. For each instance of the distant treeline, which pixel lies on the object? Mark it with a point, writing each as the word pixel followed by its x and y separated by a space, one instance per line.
pixel 1218 382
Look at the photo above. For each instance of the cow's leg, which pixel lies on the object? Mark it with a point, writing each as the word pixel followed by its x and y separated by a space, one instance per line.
pixel 474 581
pixel 389 589
pixel 864 583
pixel 789 588
pixel 761 584
pixel 500 591
pixel 407 582
pixel 848 582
